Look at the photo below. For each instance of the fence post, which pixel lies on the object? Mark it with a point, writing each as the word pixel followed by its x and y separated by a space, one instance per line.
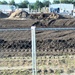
pixel 33 38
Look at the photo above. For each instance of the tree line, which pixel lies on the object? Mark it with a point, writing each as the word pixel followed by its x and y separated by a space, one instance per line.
pixel 64 1
pixel 36 5
pixel 25 3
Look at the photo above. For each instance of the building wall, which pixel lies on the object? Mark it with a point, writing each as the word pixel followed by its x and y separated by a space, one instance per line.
pixel 7 8
pixel 63 7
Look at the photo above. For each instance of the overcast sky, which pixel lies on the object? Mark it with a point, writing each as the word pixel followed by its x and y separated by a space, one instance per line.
pixel 31 1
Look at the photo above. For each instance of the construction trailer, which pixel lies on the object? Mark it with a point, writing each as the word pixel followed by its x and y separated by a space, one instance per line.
pixel 7 9
pixel 61 8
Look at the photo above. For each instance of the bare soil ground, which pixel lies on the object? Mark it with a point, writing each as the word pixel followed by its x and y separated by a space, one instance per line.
pixel 52 46
pixel 48 42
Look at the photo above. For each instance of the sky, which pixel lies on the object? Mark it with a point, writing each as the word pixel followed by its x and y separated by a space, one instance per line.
pixel 31 1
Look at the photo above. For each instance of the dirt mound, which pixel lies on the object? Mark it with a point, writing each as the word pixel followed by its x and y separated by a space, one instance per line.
pixel 2 15
pixel 19 14
pixel 48 42
pixel 48 16
pixel 55 23
pixel 39 16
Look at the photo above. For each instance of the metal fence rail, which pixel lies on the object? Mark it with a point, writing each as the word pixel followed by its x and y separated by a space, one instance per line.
pixel 55 29
pixel 15 29
pixel 42 29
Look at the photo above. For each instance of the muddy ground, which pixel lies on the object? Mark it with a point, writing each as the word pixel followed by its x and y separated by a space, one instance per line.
pixel 18 43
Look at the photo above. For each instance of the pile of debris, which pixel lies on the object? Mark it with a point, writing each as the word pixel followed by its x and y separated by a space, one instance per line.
pixel 55 23
pixel 2 15
pixel 19 14
pixel 47 16
pixel 38 16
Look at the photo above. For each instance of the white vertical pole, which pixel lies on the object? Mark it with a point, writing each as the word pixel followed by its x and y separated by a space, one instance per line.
pixel 34 72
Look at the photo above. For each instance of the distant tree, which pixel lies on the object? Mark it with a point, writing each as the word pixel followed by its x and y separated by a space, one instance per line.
pixel 46 3
pixel 0 2
pixel 31 6
pixel 57 2
pixel 38 5
pixel 12 2
pixel 66 1
pixel 3 2
pixel 73 3
pixel 63 1
pixel 24 4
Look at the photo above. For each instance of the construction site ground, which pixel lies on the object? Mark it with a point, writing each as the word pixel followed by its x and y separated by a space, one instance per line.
pixel 51 46
pixel 49 42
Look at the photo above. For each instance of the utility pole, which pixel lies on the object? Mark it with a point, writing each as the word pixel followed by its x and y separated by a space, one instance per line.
pixel 60 5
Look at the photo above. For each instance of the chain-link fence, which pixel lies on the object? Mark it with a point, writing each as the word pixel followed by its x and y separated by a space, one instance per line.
pixel 55 49
pixel 15 52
